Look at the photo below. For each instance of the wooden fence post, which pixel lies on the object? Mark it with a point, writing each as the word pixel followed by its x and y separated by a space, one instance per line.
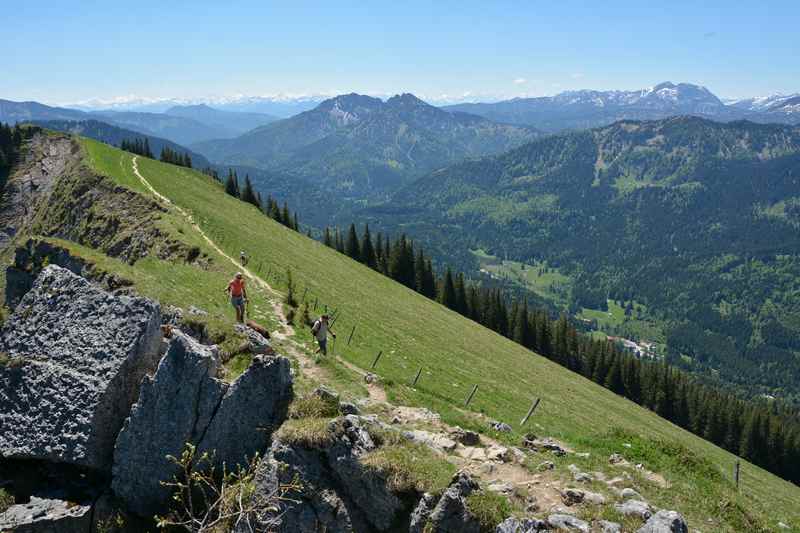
pixel 736 470
pixel 419 372
pixel 351 335
pixel 375 362
pixel 471 394
pixel 530 411
pixel 304 295
pixel 315 302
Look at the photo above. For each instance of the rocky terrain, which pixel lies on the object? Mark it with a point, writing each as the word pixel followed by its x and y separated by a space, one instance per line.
pixel 96 396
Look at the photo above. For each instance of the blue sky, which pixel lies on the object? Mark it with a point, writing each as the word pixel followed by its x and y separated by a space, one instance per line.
pixel 62 51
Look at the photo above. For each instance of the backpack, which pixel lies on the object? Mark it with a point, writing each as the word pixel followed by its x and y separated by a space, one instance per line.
pixel 315 327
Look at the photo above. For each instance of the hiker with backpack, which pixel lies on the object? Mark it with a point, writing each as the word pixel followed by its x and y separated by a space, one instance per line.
pixel 320 331
pixel 238 294
pixel 243 258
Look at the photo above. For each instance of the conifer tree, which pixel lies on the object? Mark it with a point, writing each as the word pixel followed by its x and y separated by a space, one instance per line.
pixel 448 291
pixel 231 187
pixel 248 194
pixel 368 250
pixel 352 248
pixel 327 239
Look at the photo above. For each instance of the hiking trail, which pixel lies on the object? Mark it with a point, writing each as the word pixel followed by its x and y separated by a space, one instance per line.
pixel 287 331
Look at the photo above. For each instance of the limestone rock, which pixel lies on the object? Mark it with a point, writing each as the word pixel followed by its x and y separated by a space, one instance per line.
pixel 630 494
pixel 524 525
pixel 331 489
pixel 566 522
pixel 44 515
pixel 421 513
pixel 252 408
pixel 665 522
pixel 451 514
pixel 498 453
pixel 175 406
pixel 545 444
pixel 435 441
pixel 257 343
pixel 465 437
pixel 79 354
pixel 573 496
pixel 609 527
pixel 637 508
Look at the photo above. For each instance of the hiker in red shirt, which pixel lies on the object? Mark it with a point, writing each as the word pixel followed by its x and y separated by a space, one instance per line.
pixel 238 294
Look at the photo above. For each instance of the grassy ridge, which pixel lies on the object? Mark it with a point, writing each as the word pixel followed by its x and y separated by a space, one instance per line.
pixel 455 353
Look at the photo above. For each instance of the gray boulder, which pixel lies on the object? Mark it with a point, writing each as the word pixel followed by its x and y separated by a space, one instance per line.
pixel 252 408
pixel 451 514
pixel 566 522
pixel 665 522
pixel 609 527
pixel 524 525
pixel 421 513
pixel 44 515
pixel 78 355
pixel 175 406
pixel 636 508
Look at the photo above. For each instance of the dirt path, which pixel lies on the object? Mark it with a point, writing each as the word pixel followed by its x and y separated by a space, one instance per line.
pixel 273 297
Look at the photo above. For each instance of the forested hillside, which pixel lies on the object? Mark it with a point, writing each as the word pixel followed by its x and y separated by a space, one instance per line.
pixel 695 221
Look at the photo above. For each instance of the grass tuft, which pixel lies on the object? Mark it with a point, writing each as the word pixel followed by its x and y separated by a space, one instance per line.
pixel 306 432
pixel 313 406
pixel 410 467
pixel 489 508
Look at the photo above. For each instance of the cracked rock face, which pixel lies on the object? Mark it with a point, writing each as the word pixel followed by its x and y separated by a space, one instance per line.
pixel 77 357
pixel 184 403
pixel 331 490
pixel 175 406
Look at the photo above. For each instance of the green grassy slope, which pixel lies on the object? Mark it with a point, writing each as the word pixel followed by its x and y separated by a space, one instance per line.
pixel 455 353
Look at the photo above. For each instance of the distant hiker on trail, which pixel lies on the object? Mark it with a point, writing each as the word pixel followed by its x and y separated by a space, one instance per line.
pixel 243 258
pixel 238 294
pixel 320 331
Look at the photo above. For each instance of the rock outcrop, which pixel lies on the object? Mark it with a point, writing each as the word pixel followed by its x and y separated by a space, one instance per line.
pixel 451 514
pixel 174 408
pixel 252 408
pixel 77 355
pixel 665 522
pixel 330 490
pixel 185 403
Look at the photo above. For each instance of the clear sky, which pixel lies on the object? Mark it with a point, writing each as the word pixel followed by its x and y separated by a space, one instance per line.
pixel 62 51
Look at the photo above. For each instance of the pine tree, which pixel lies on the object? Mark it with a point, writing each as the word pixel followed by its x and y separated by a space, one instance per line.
pixel 231 187
pixel 368 250
pixel 352 248
pixel 286 218
pixel 448 292
pixel 521 334
pixel 419 273
pixel 248 194
pixel 327 239
pixel 461 295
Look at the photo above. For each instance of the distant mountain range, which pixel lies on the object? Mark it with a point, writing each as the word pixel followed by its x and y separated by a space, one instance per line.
pixel 588 109
pixel 114 135
pixel 697 221
pixel 183 125
pixel 360 146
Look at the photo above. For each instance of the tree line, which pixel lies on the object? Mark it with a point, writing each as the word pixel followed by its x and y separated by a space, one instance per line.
pixel 137 146
pixel 764 433
pixel 168 155
pixel 268 206
pixel 11 139
pixel 141 146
